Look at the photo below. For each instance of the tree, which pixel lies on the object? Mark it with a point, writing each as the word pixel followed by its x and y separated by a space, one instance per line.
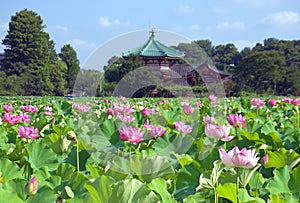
pixel 58 70
pixel 226 56
pixel 26 53
pixel 69 56
pixel 261 72
pixel 206 45
pixel 116 71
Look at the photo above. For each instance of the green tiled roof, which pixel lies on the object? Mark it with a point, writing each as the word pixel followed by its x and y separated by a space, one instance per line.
pixel 154 48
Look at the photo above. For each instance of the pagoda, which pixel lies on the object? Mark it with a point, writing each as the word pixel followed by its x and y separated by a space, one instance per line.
pixel 170 63
pixel 154 53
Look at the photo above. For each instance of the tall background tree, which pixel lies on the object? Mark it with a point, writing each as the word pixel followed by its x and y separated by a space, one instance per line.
pixel 27 54
pixel 69 56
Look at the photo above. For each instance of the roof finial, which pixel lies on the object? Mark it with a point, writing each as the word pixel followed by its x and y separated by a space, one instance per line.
pixel 152 32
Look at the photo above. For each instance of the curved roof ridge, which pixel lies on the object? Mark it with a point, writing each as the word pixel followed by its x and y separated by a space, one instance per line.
pixel 154 48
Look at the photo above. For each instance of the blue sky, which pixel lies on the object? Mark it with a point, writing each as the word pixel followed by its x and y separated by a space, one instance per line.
pixel 87 25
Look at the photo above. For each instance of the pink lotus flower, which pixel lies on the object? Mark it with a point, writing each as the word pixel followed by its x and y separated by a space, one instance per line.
pixel 165 101
pixel 239 158
pixel 81 107
pixel 185 102
pixel 273 102
pixel 130 134
pixel 212 99
pixel 188 109
pixel 218 132
pixel 147 112
pixel 125 118
pixel 123 109
pixel 13 119
pixel 24 118
pixel 31 187
pixel 110 111
pixel 295 101
pixel 236 120
pixel 291 101
pixel 185 129
pixel 287 100
pixel 198 104
pixel 48 113
pixel 8 108
pixel 265 159
pixel 29 108
pixel 105 101
pixel 28 132
pixel 257 103
pixel 47 108
pixel 9 118
pixel 209 119
pixel 156 131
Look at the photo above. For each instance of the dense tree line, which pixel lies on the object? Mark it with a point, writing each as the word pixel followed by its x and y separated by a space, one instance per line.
pixel 31 65
pixel 271 68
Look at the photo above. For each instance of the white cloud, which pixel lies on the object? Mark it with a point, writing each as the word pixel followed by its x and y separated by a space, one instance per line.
pixel 59 27
pixel 185 9
pixel 257 3
pixel 82 44
pixel 105 21
pixel 241 44
pixel 195 27
pixel 283 18
pixel 234 25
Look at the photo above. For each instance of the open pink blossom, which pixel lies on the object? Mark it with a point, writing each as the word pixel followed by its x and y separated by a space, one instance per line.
pixel 9 118
pixel 125 118
pixel 29 108
pixel 209 119
pixel 295 101
pixel 198 104
pixel 188 109
pixel 123 109
pixel 185 129
pixel 48 113
pixel 239 158
pixel 28 132
pixel 147 112
pixel 291 100
pixel 185 102
pixel 133 135
pixel 218 132
pixel 23 117
pixel 81 107
pixel 273 102
pixel 156 131
pixel 212 99
pixel 257 103
pixel 236 120
pixel 287 100
pixel 8 108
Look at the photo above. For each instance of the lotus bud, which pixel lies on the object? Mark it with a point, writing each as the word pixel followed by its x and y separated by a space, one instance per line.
pixel 265 159
pixel 31 187
pixel 67 193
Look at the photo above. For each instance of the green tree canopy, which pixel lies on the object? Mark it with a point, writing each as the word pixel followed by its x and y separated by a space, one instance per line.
pixel 27 54
pixel 69 56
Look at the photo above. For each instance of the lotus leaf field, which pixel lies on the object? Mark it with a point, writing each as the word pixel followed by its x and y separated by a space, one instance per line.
pixel 125 150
